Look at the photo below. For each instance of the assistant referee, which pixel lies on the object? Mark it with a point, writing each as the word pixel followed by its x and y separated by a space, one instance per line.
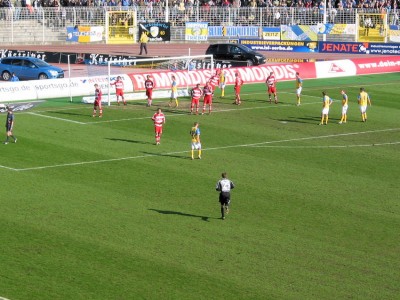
pixel 224 186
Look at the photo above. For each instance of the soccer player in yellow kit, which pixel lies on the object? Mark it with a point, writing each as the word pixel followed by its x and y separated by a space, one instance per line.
pixel 345 106
pixel 174 92
pixel 196 143
pixel 363 101
pixel 221 82
pixel 326 103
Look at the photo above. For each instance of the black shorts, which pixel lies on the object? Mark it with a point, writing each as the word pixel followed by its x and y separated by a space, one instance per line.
pixel 8 127
pixel 224 198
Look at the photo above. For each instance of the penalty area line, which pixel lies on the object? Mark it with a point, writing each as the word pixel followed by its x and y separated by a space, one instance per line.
pixel 205 149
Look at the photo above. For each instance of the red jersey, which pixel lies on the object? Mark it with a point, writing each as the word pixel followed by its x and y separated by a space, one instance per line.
pixel 97 95
pixel 196 93
pixel 119 84
pixel 238 82
pixel 207 90
pixel 159 119
pixel 149 84
pixel 213 81
pixel 271 81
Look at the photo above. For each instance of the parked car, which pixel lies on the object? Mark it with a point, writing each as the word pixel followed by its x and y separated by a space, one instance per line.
pixel 235 52
pixel 28 68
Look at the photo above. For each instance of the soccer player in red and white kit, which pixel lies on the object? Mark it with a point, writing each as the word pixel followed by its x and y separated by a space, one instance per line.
pixel 238 86
pixel 97 101
pixel 119 89
pixel 271 85
pixel 196 94
pixel 159 120
pixel 149 85
pixel 208 95
pixel 214 80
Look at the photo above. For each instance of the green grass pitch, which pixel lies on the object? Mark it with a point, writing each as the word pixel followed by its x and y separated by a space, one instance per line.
pixel 92 209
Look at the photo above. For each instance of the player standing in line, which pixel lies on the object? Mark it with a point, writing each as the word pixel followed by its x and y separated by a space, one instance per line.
pixel 224 186
pixel 196 94
pixel 345 105
pixel 271 85
pixel 9 126
pixel 196 143
pixel 299 87
pixel 237 87
pixel 174 92
pixel 159 120
pixel 326 103
pixel 222 83
pixel 363 101
pixel 119 89
pixel 97 101
pixel 149 85
pixel 208 96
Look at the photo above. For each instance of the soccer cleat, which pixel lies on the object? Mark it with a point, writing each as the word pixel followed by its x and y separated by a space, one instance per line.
pixel 321 124
pixel 15 140
pixel 100 116
pixel 5 143
pixel 340 122
pixel 223 218
pixel 199 157
pixel 158 143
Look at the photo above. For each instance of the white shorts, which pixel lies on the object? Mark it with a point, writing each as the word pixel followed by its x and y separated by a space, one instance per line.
pixel 363 109
pixel 344 109
pixel 298 91
pixel 325 110
pixel 196 146
pixel 222 85
pixel 174 95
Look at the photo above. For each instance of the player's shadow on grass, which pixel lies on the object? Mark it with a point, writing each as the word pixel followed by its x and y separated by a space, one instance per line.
pixel 68 113
pixel 171 212
pixel 306 119
pixel 183 156
pixel 127 141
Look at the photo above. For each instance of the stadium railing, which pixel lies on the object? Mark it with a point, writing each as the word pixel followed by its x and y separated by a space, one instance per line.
pixel 22 25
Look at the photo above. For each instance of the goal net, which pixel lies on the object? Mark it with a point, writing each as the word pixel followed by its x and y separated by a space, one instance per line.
pixel 187 71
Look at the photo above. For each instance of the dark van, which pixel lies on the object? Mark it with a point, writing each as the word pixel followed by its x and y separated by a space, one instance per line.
pixel 236 52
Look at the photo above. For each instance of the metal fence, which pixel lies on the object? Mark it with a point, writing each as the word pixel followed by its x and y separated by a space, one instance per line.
pixel 47 24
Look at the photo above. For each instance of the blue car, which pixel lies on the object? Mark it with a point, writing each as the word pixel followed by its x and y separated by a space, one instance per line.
pixel 28 68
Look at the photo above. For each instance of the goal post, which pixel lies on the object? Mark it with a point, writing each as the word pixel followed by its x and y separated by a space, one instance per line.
pixel 188 71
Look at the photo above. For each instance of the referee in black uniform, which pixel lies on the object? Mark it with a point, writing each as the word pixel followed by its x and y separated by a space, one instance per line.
pixel 224 186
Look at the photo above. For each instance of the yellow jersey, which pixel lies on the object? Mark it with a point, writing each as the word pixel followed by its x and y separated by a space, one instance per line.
pixel 174 88
pixel 326 101
pixel 195 133
pixel 299 82
pixel 363 98
pixel 222 77
pixel 345 100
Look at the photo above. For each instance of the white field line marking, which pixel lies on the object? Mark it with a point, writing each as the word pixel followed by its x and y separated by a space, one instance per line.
pixel 8 168
pixel 206 149
pixel 60 119
pixel 319 147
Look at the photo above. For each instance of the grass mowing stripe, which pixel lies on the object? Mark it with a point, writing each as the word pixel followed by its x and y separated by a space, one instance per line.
pixel 205 149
